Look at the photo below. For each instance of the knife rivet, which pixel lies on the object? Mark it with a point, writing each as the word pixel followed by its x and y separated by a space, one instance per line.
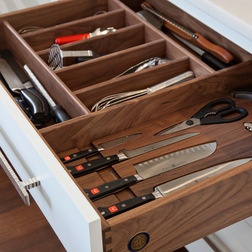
pixel 123 205
pixel 126 180
pixel 90 150
pixel 108 158
pixel 144 198
pixel 106 187
pixel 89 164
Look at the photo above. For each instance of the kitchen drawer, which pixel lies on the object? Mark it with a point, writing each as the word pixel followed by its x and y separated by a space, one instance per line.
pixel 165 224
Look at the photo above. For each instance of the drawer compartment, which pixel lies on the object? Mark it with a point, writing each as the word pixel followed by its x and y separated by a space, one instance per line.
pixel 166 223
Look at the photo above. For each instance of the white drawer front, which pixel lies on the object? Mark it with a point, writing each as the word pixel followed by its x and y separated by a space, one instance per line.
pixel 70 214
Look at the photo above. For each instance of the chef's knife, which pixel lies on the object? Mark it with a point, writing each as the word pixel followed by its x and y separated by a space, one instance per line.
pixel 123 154
pixel 171 186
pixel 154 167
pixel 194 38
pixel 96 150
pixel 19 82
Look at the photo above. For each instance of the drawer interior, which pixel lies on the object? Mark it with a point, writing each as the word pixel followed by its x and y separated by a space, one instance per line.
pixel 77 87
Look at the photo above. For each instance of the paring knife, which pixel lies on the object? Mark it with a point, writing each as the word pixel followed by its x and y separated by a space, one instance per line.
pixel 171 186
pixel 153 167
pixel 195 38
pixel 101 147
pixel 123 154
pixel 19 82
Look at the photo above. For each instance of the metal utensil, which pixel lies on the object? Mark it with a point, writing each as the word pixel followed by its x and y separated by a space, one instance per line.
pixel 121 97
pixel 123 154
pixel 195 38
pixel 215 112
pixel 148 63
pixel 35 101
pixel 95 150
pixel 58 112
pixel 56 55
pixel 171 186
pixel 153 167
pixel 76 37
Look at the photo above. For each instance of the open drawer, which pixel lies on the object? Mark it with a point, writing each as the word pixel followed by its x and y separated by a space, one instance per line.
pixel 164 224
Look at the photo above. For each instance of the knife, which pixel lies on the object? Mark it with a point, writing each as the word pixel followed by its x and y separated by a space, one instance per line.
pixel 96 150
pixel 171 186
pixel 206 57
pixel 19 82
pixel 195 38
pixel 154 167
pixel 123 154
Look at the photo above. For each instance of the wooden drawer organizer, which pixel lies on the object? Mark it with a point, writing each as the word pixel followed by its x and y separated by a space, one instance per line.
pixel 186 215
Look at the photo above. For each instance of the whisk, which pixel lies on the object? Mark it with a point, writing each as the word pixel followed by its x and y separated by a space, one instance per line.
pixel 56 55
pixel 125 96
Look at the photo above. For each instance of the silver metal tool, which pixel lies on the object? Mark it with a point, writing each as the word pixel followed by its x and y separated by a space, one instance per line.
pixel 171 186
pixel 153 167
pixel 59 113
pixel 56 55
pixel 121 97
pixel 35 101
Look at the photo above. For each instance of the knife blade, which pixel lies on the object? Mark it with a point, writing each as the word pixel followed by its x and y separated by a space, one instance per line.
pixel 96 150
pixel 195 38
pixel 171 186
pixel 123 154
pixel 153 167
pixel 22 85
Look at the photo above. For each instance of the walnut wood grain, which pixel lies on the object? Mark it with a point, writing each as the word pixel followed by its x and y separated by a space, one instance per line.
pixel 172 221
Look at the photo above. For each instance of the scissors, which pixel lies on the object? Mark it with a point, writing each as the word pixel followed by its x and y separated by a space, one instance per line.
pixel 218 111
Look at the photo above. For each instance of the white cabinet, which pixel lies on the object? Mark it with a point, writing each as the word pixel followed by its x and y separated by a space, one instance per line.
pixel 71 216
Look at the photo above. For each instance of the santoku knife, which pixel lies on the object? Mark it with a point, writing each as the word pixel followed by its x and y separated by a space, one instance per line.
pixel 123 154
pixel 95 150
pixel 171 186
pixel 154 167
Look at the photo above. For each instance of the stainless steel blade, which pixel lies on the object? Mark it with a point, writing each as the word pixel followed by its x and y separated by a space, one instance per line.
pixel 196 177
pixel 10 76
pixel 117 141
pixel 174 160
pixel 154 146
pixel 180 126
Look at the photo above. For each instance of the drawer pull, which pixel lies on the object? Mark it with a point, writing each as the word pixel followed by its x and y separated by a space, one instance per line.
pixel 22 187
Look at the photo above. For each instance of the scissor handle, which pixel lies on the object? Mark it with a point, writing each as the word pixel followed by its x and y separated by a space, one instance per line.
pixel 225 116
pixel 209 109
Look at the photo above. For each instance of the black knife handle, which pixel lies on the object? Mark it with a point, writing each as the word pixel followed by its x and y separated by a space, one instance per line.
pixel 123 206
pixel 93 165
pixel 37 104
pixel 110 187
pixel 59 114
pixel 80 154
pixel 213 62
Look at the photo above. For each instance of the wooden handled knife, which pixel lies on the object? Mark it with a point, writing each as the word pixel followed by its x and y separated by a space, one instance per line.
pixel 194 38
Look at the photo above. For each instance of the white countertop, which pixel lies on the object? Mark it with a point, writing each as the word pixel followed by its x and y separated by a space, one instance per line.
pixel 231 18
